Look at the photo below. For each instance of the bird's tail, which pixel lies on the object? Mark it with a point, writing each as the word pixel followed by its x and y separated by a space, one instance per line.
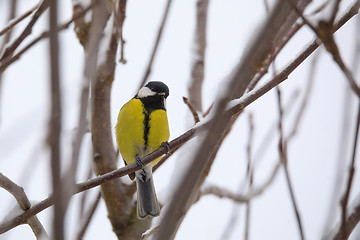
pixel 147 203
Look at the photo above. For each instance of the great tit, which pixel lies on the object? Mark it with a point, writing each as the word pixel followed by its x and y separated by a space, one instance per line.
pixel 142 128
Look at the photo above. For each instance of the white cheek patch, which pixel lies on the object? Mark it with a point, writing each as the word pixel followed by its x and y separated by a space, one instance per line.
pixel 145 92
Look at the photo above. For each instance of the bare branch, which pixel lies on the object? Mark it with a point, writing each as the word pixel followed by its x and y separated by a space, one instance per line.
pixel 46 34
pixel 157 41
pixel 287 31
pixel 284 160
pixel 325 31
pixel 192 109
pixel 55 126
pixel 272 130
pixel 198 65
pixel 351 222
pixel 84 195
pixel 99 69
pixel 7 37
pixel 86 220
pixel 24 203
pixel 276 50
pixel 249 174
pixel 11 48
pixel 306 97
pixel 120 14
pixel 241 198
pixel 345 198
pixel 208 110
pixel 238 81
pixel 14 22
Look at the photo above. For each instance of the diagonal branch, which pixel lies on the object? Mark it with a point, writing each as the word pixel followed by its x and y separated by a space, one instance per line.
pixel 241 198
pixel 26 32
pixel 14 22
pixel 24 203
pixel 4 64
pixel 87 218
pixel 251 61
pixel 325 32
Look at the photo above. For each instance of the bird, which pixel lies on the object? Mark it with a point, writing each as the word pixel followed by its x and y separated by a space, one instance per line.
pixel 142 127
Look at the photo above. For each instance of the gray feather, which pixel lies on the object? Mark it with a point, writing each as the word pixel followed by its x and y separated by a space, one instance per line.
pixel 147 203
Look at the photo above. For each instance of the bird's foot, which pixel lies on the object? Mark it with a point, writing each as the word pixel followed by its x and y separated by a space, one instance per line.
pixel 139 161
pixel 166 144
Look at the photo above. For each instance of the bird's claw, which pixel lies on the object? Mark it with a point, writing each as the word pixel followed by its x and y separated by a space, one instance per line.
pixel 166 144
pixel 139 161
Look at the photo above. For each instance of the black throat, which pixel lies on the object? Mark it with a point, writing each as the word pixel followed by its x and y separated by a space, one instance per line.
pixel 152 103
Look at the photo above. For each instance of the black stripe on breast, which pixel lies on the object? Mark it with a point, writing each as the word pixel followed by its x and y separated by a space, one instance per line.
pixel 146 128
pixel 150 104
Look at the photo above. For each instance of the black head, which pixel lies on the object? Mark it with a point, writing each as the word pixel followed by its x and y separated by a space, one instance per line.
pixel 159 87
pixel 153 95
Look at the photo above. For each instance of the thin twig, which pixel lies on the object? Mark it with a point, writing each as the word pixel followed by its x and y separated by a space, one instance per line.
pixel 12 14
pixel 325 31
pixel 304 103
pixel 120 15
pixel 43 35
pixel 276 50
pixel 7 37
pixel 272 130
pixel 69 178
pixel 244 186
pixel 345 198
pixel 157 41
pixel 241 198
pixel 208 110
pixel 24 203
pixel 192 109
pixel 249 174
pixel 14 22
pixel 284 160
pixel 86 220
pixel 85 194
pixel 11 48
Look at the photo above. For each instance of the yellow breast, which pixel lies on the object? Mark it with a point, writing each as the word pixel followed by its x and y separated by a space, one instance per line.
pixel 130 130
